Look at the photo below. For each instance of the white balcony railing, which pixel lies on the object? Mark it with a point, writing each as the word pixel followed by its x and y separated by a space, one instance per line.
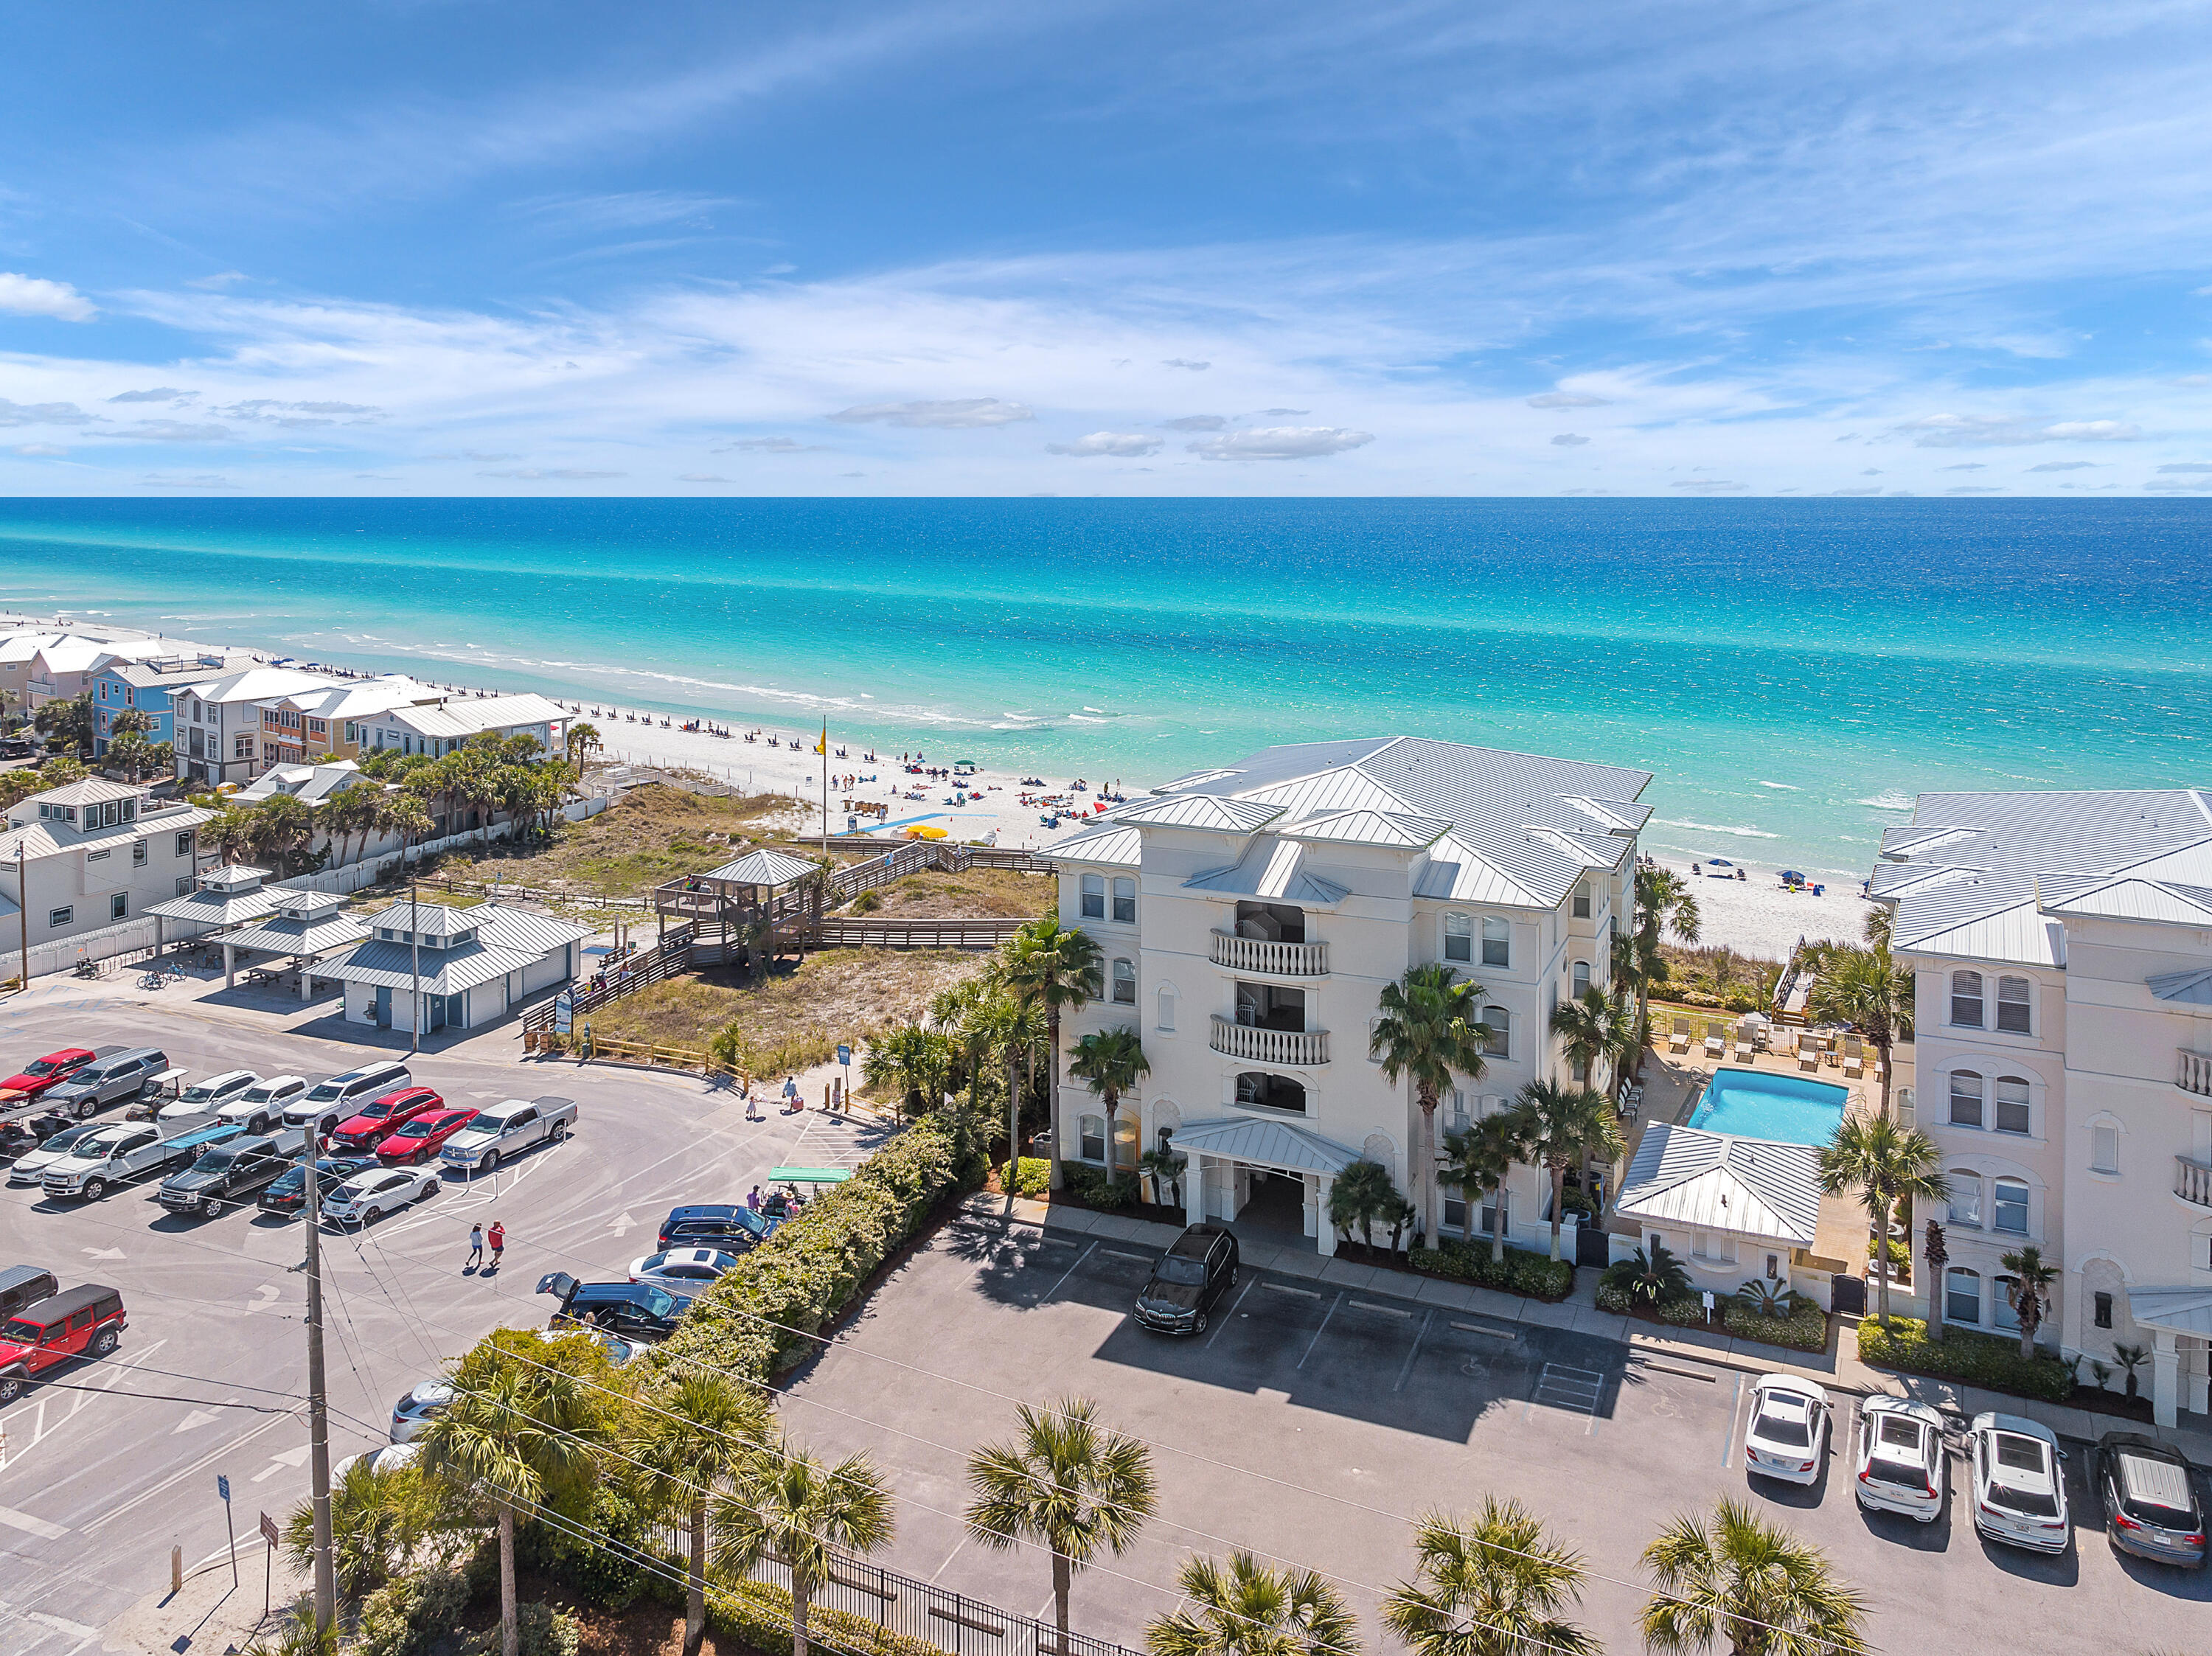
pixel 2193 1073
pixel 1290 1049
pixel 2192 1181
pixel 1275 960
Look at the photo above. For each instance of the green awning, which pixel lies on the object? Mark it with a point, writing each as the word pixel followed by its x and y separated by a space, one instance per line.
pixel 809 1175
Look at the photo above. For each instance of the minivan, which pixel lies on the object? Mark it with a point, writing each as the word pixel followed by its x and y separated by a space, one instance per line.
pixel 106 1081
pixel 330 1101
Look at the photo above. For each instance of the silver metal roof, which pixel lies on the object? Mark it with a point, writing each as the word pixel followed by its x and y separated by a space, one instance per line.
pixel 1713 1182
pixel 444 971
pixel 212 906
pixel 525 930
pixel 2182 1310
pixel 1264 1143
pixel 1273 868
pixel 1110 845
pixel 281 936
pixel 2192 988
pixel 763 867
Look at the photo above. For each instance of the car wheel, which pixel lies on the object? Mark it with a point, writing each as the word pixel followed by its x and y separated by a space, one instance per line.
pixel 431 1187
pixel 1199 1327
pixel 95 1189
pixel 84 1107
pixel 560 1131
pixel 490 1162
pixel 108 1340
pixel 11 1388
pixel 209 1206
pixel 370 1215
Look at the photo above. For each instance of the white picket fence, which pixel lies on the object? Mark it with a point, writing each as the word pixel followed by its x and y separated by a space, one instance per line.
pixel 63 954
pixel 369 870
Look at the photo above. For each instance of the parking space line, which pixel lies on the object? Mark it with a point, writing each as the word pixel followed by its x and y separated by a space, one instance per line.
pixel 1571 1389
pixel 1123 1253
pixel 1304 1293
pixel 1066 1274
pixel 1387 1310
pixel 1406 1368
pixel 1216 1334
pixel 1491 1329
pixel 1315 1340
pixel 1727 1441
pixel 1664 1368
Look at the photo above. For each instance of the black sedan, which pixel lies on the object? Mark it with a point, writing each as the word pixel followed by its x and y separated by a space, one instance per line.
pixel 290 1193
pixel 2150 1500
pixel 1188 1280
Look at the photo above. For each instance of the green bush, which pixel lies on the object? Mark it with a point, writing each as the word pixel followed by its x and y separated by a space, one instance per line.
pixel 756 1317
pixel 1093 1187
pixel 608 1574
pixel 1524 1272
pixel 542 1630
pixel 1984 1360
pixel 1805 1328
pixel 411 1615
pixel 1033 1176
pixel 757 1614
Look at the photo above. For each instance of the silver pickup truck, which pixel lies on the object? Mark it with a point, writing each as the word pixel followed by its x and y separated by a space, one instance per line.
pixel 108 1157
pixel 509 1129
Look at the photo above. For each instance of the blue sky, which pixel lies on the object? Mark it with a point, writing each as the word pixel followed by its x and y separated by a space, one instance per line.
pixel 1095 247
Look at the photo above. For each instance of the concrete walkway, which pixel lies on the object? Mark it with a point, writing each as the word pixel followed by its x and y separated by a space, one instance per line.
pixel 1839 1369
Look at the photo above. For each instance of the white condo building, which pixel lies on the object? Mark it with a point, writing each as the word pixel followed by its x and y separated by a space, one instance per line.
pixel 1250 916
pixel 2062 949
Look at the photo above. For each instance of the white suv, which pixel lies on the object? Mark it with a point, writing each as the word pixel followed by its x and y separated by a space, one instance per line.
pixel 2020 1483
pixel 209 1097
pixel 1901 1463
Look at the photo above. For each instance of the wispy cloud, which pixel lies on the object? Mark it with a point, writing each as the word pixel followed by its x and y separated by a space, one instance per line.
pixel 553 474
pixel 1195 422
pixel 1977 431
pixel 1119 444
pixel 1280 443
pixel 157 394
pixel 1568 440
pixel 957 414
pixel 1567 399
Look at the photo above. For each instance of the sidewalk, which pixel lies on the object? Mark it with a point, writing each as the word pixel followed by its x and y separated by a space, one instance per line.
pixel 1839 1370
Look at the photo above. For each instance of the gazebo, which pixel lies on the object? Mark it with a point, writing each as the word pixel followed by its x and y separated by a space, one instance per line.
pixel 310 927
pixel 731 900
pixel 227 896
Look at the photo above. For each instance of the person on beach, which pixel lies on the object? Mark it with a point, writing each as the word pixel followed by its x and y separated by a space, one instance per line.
pixel 498 1239
pixel 475 1249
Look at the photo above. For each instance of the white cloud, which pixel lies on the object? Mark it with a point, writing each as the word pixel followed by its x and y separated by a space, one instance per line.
pixel 1180 362
pixel 45 452
pixel 1283 414
pixel 2065 465
pixel 1281 443
pixel 157 394
pixel 1847 493
pixel 24 295
pixel 1974 489
pixel 1567 399
pixel 1967 465
pixel 1978 431
pixel 556 473
pixel 42 413
pixel 1568 440
pixel 769 446
pixel 1195 422
pixel 198 480
pixel 1119 445
pixel 959 414
pixel 1707 485
pixel 683 478
pixel 170 431
pixel 2180 483
pixel 1871 471
pixel 2187 465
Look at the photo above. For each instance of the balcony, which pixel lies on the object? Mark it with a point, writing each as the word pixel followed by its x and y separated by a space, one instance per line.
pixel 2192 1072
pixel 1289 1049
pixel 1273 960
pixel 2192 1181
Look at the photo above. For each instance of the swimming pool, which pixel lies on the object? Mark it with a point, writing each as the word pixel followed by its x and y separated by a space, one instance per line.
pixel 1758 1104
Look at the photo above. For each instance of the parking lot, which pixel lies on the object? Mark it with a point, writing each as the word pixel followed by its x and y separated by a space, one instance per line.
pixel 106 1471
pixel 1310 1422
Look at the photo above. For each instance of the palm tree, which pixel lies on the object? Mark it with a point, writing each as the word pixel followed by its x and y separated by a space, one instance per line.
pixel 911 1059
pixel 280 831
pixel 378 1518
pixel 73 720
pixel 800 1509
pixel 2033 1276
pixel 1477 1160
pixel 1109 1062
pixel 1749 1583
pixel 1657 1279
pixel 1595 1028
pixel 1014 1030
pixel 1490 1585
pixel 687 1439
pixel 1053 966
pixel 581 742
pixel 1935 1253
pixel 506 1436
pixel 1066 1482
pixel 1167 1168
pixel 229 834
pixel 1864 990
pixel 1359 1195
pixel 1248 1609
pixel 1882 1163
pixel 1563 1125
pixel 1663 903
pixel 404 814
pixel 1430 1027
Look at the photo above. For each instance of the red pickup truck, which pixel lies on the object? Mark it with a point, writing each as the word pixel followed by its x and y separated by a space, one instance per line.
pixel 41 1073
pixel 79 1322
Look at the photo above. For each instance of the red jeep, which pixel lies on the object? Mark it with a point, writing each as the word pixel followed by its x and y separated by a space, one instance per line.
pixel 41 1073
pixel 80 1322
pixel 379 1120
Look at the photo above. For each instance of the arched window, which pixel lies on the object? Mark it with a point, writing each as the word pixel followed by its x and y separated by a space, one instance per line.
pixel 1582 910
pixel 1497 941
pixel 1966 1196
pixel 2004 1315
pixel 1093 1135
pixel 1125 899
pixel 1257 1090
pixel 1378 1149
pixel 2011 1114
pixel 1581 980
pixel 1094 897
pixel 1962 1296
pixel 2009 1206
pixel 1125 983
pixel 1499 1022
pixel 1967 999
pixel 1459 938
pixel 2013 1006
pixel 1167 999
pixel 1966 1099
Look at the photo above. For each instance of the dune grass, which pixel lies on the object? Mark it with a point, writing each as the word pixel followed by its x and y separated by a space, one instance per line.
pixel 649 834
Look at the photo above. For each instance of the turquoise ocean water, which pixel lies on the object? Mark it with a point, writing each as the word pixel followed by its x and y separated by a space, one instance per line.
pixel 1793 672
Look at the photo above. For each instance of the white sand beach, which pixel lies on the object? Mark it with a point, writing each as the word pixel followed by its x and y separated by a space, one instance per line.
pixel 1758 915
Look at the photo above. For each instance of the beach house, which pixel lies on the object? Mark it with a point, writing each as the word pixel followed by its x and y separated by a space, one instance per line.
pixel 124 684
pixel 30 659
pixel 90 856
pixel 1250 916
pixel 438 728
pixel 2060 947
pixel 425 966
pixel 329 722
pixel 219 725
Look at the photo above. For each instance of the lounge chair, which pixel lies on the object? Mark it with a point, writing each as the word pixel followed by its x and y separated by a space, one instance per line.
pixel 1744 1050
pixel 1679 1041
pixel 1808 1052
pixel 1715 1042
pixel 1854 1058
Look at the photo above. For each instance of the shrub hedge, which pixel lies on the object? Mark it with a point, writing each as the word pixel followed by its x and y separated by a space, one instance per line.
pixel 1092 1186
pixel 757 1614
pixel 1522 1272
pixel 1032 1176
pixel 1805 1328
pixel 1984 1360
pixel 809 1270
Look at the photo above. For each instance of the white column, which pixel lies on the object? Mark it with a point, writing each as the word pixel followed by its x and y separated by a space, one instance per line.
pixel 306 978
pixel 1193 1189
pixel 2164 1378
pixel 230 975
pixel 1324 1242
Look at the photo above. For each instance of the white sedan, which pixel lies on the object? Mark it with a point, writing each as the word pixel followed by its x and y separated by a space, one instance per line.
pixel 1788 1435
pixel 260 1107
pixel 2019 1484
pixel 389 1458
pixel 687 1270
pixel 412 1415
pixel 368 1197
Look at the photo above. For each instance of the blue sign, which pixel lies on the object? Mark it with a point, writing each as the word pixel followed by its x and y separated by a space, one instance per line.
pixel 844 1053
pixel 564 1013
pixel 223 1486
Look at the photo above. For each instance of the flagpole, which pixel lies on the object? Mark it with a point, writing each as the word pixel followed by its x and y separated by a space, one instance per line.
pixel 824 751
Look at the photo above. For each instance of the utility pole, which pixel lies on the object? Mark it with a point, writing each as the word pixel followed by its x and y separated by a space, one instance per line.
pixel 415 965
pixel 318 1408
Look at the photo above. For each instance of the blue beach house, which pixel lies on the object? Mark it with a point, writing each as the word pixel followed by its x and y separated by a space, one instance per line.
pixel 121 686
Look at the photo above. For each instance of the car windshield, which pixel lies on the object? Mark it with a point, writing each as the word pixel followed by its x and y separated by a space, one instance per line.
pixel 44 1067
pixel 1784 1421
pixel 326 1092
pixel 216 1160
pixel 20 1332
pixel 1189 1273
pixel 107 1140
pixel 72 1139
pixel 377 1111
pixel 421 1127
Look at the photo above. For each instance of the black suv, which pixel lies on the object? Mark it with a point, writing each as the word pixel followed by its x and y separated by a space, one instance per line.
pixel 1186 1280
pixel 632 1310
pixel 228 1172
pixel 731 1226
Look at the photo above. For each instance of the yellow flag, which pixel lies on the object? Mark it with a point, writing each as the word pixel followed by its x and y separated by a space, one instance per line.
pixel 823 746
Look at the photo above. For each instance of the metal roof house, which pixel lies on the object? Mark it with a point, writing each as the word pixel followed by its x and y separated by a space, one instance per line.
pixel 2061 947
pixel 427 967
pixel 1250 915
pixel 1728 1208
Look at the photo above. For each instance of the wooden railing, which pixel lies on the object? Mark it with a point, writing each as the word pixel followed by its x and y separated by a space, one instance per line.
pixel 1280 959
pixel 1294 1049
pixel 2193 1074
pixel 2192 1181
pixel 668 958
pixel 868 932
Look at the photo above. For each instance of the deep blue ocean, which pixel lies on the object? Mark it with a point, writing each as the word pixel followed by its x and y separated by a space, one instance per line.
pixel 1793 672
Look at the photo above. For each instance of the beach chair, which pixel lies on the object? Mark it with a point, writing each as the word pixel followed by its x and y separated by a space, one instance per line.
pixel 1679 1041
pixel 1854 1058
pixel 1808 1052
pixel 1715 1042
pixel 1744 1048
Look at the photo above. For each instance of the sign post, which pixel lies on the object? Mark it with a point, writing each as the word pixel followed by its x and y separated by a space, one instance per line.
pixel 564 1013
pixel 845 1061
pixel 222 1489
pixel 270 1534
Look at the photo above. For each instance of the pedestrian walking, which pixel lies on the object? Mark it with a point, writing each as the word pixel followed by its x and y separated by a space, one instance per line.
pixel 498 1242
pixel 753 1200
pixel 476 1249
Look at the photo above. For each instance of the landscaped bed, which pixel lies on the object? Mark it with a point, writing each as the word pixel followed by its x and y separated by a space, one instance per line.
pixel 1805 1328
pixel 1985 1359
